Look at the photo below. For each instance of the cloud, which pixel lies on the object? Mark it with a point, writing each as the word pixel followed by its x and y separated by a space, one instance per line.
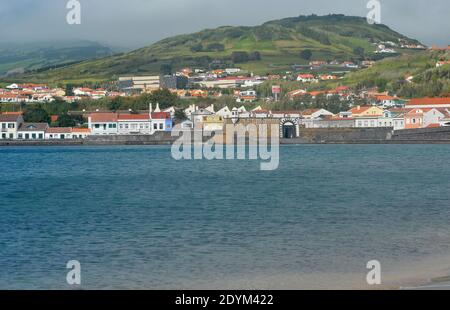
pixel 141 22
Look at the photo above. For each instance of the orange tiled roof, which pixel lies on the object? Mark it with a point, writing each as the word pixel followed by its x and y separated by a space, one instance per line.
pixel 103 117
pixel 429 101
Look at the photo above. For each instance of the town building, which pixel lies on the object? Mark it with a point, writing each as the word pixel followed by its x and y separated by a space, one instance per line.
pixel 103 123
pixel 58 133
pixel 32 131
pixel 9 125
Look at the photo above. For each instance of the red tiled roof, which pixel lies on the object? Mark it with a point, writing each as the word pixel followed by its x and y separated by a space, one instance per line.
pixel 161 115
pixel 103 117
pixel 59 130
pixel 80 130
pixel 429 101
pixel 133 117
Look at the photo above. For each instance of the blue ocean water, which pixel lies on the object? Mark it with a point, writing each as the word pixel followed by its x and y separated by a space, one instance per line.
pixel 136 218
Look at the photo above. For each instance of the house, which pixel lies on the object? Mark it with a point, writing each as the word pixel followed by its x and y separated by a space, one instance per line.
pixel 432 117
pixel 80 133
pixel 442 63
pixel 423 103
pixel 365 111
pixel 307 78
pixel 296 93
pixel 82 91
pixel 315 113
pixel 414 119
pixel 213 123
pixel 246 96
pixel 134 124
pixel 327 77
pixel 197 116
pixel 32 131
pixel 330 122
pixel 103 123
pixel 58 133
pixel 387 101
pixel 225 112
pixel 9 124
pixel 398 117
pixel 161 121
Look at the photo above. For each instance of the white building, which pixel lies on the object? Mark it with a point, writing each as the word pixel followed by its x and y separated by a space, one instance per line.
pixel 225 112
pixel 32 131
pixel 58 133
pixel 136 124
pixel 103 123
pixel 9 124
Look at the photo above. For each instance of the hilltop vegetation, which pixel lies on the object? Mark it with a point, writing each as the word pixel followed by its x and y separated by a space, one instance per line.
pixel 21 57
pixel 275 45
pixel 391 74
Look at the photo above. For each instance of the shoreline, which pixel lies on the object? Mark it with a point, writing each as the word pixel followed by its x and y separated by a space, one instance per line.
pixel 13 143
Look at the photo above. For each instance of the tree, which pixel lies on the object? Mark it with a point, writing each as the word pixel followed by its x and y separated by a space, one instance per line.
pixel 255 56
pixel 359 51
pixel 36 114
pixel 180 115
pixel 164 97
pixel 66 120
pixel 306 54
pixel 239 57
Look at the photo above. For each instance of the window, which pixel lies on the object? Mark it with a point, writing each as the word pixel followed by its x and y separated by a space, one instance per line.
pixel 11 136
pixel 27 136
pixel 11 125
pixel 4 125
pixel 110 126
pixel 3 135
pixel 97 126
pixel 161 126
pixel 33 136
pixel 41 136
pixel 20 136
pixel 155 126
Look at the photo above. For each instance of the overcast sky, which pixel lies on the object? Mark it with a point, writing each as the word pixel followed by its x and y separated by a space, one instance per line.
pixel 135 23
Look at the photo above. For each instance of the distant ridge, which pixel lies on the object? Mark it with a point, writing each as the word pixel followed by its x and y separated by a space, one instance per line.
pixel 273 45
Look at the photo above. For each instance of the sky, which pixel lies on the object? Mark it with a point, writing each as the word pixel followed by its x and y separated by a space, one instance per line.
pixel 137 23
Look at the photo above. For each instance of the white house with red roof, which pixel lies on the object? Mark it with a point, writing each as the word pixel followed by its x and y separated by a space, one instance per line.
pixel 307 78
pixel 103 123
pixel 134 124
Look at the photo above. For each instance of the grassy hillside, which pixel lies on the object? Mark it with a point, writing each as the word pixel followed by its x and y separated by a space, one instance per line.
pixel 391 74
pixel 273 46
pixel 20 57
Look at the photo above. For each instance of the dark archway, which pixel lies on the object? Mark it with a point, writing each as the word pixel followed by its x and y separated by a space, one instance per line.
pixel 289 130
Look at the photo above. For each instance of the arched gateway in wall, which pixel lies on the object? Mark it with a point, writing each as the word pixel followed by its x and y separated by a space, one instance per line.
pixel 289 128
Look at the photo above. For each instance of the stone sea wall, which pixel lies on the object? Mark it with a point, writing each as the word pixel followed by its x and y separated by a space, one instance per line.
pixel 307 136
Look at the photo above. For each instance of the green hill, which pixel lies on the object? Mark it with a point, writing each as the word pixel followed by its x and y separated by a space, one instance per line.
pixel 275 45
pixel 391 74
pixel 21 57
